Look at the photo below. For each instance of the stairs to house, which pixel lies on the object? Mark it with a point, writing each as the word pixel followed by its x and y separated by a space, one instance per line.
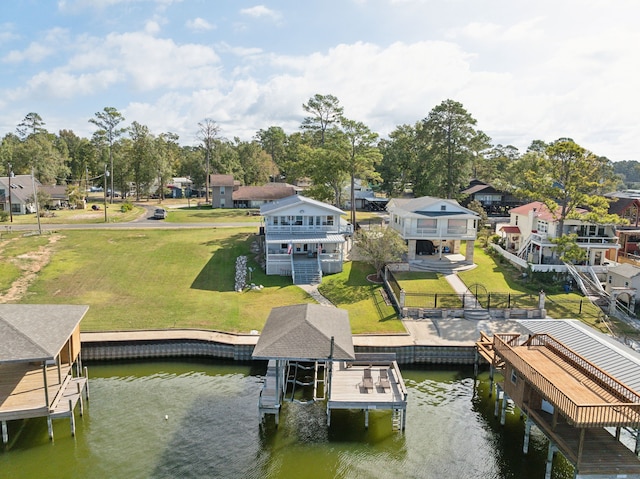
pixel 307 272
pixel 443 266
pixel 476 314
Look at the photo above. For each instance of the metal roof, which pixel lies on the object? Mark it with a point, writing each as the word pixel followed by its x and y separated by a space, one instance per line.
pixel 275 206
pixel 610 355
pixel 304 332
pixel 304 238
pixel 36 332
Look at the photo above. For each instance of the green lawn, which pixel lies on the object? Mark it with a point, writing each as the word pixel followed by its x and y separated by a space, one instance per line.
pixel 206 214
pixel 147 279
pixel 351 290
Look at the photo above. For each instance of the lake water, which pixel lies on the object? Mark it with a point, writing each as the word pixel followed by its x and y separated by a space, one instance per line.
pixel 213 431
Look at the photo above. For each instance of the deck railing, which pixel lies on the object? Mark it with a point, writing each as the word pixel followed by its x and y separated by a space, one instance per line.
pixel 625 412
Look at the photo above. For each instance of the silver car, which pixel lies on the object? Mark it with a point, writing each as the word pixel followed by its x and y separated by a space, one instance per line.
pixel 160 214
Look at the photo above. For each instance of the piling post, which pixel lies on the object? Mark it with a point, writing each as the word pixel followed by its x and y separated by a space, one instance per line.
pixel 72 419
pixel 496 409
pixel 503 415
pixel 80 399
pixel 490 379
pixel 5 433
pixel 86 384
pixel 50 427
pixel 550 454
pixel 637 448
pixel 366 419
pixel 527 435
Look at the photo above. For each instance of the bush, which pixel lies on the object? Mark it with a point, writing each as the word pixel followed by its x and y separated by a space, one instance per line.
pixel 4 216
pixel 126 206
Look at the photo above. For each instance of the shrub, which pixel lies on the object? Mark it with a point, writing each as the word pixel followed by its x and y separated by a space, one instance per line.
pixel 126 206
pixel 4 216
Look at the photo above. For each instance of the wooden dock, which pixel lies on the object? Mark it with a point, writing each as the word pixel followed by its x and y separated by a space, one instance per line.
pixel 386 390
pixel 23 393
pixel 570 400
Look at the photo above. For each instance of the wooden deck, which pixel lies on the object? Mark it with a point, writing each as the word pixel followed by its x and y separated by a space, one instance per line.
pixel 348 389
pixel 22 393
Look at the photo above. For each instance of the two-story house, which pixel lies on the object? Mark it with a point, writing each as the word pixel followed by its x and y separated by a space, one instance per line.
pixel 433 225
pixel 532 227
pixel 304 238
pixel 222 187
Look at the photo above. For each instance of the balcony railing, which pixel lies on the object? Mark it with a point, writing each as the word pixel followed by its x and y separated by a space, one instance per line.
pixel 582 241
pixel 434 233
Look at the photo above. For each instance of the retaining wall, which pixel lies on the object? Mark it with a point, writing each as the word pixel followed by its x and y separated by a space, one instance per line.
pixel 148 349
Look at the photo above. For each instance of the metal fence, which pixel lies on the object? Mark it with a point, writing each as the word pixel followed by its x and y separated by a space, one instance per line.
pixel 468 300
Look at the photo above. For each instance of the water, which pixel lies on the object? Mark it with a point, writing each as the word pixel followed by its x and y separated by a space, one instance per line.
pixel 212 431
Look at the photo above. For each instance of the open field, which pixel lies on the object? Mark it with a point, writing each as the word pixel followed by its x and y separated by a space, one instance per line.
pixel 154 279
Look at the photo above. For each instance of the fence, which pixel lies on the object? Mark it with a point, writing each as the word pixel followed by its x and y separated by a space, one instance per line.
pixel 469 300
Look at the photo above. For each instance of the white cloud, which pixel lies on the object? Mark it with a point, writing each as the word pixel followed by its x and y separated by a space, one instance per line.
pixel 260 11
pixel 199 24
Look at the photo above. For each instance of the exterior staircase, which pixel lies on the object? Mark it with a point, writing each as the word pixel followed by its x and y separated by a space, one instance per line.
pixel 476 314
pixel 307 272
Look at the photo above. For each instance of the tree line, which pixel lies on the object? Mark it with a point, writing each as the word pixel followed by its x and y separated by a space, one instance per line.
pixel 435 156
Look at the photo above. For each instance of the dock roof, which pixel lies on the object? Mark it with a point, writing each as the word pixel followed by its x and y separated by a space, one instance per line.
pixel 304 332
pixel 36 332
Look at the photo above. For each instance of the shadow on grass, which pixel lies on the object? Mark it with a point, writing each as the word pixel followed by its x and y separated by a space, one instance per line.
pixel 381 306
pixel 219 274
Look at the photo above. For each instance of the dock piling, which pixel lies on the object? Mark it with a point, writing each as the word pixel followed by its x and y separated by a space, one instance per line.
pixel 5 433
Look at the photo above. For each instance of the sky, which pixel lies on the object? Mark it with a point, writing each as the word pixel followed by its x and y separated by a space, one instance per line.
pixel 525 71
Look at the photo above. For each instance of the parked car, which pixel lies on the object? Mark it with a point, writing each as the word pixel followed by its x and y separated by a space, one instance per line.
pixel 160 214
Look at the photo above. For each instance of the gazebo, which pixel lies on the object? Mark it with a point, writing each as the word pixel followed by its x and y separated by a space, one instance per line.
pixel 310 354
pixel 39 351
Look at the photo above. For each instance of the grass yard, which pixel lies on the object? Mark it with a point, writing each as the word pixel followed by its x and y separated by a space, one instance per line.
pixel 154 279
pixel 431 290
pixel 206 214
pixel 368 311
pixel 88 216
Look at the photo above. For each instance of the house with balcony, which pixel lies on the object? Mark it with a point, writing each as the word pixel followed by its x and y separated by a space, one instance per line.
pixel 433 226
pixel 532 227
pixel 304 238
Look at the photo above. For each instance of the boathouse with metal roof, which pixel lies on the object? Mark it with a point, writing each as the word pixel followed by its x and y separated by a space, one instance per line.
pixel 580 388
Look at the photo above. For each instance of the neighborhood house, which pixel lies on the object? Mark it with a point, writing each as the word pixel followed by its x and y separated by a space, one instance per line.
pixel 433 225
pixel 304 238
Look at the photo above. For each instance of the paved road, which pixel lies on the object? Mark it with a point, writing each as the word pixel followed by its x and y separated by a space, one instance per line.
pixel 146 220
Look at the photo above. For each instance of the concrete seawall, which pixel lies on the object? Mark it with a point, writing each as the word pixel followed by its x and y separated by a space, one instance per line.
pixel 193 343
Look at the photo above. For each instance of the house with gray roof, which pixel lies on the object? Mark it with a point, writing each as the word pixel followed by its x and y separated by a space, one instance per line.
pixel 432 225
pixel 304 238
pixel 16 194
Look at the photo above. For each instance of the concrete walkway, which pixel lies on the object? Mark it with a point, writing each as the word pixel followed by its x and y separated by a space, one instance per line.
pixel 312 290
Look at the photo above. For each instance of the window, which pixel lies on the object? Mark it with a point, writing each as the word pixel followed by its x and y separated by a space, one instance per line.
pixel 274 220
pixel 516 221
pixel 543 226
pixel 443 207
pixel 222 204
pixel 427 223
pixel 15 207
pixel 298 221
pixel 457 225
pixel 609 279
pixel 514 377
pixel 222 190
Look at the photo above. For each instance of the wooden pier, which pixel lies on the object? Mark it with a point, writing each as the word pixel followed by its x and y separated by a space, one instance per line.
pixel 569 399
pixel 41 373
pixel 320 338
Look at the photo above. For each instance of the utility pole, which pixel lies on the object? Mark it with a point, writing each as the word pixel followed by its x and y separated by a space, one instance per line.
pixel 106 173
pixel 10 207
pixel 35 198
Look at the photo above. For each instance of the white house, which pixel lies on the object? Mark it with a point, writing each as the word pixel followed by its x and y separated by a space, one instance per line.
pixel 304 238
pixel 433 225
pixel 623 283
pixel 17 190
pixel 532 227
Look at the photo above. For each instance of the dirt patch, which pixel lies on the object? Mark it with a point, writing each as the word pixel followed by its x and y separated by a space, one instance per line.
pixel 373 278
pixel 30 265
